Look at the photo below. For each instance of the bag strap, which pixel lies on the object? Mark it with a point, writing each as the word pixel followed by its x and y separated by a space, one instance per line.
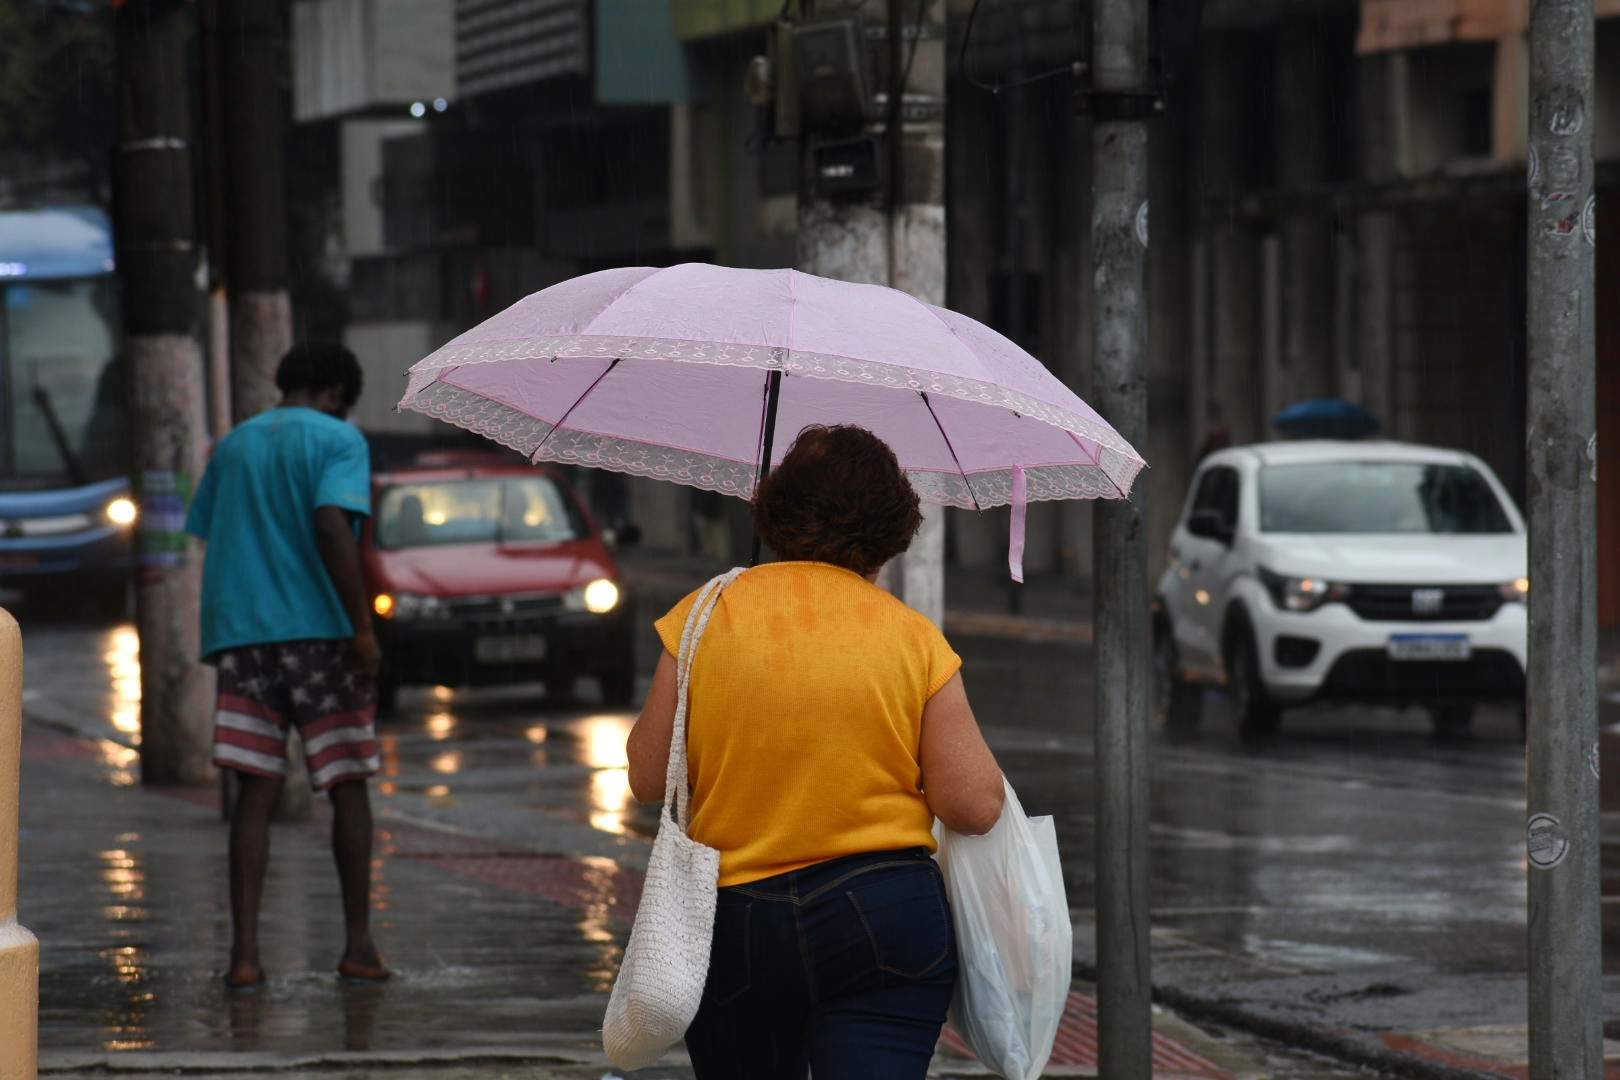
pixel 677 786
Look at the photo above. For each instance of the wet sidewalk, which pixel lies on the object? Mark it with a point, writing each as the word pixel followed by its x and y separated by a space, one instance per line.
pixel 503 954
pixel 507 868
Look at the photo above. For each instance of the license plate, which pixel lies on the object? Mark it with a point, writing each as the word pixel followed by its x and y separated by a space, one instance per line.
pixel 18 558
pixel 510 650
pixel 1429 647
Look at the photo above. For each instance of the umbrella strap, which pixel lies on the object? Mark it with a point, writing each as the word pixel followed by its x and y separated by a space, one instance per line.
pixel 1020 516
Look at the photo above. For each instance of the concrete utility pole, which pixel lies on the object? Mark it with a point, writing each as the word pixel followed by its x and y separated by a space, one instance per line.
pixel 256 225
pixel 1566 979
pixel 896 235
pixel 219 308
pixel 157 264
pixel 1120 106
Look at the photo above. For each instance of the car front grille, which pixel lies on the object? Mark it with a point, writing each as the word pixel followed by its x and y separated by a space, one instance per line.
pixel 1406 603
pixel 501 609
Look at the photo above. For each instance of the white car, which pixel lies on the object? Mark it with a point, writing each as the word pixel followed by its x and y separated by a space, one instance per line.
pixel 1343 571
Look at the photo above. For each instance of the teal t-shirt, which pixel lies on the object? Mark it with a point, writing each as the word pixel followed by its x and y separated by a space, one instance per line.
pixel 263 576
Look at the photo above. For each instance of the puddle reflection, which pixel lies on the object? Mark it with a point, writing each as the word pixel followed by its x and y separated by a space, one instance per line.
pixel 361 1005
pixel 124 878
pixel 441 725
pixel 245 1014
pixel 596 920
pixel 123 875
pixel 388 751
pixel 121 762
pixel 123 657
pixel 602 739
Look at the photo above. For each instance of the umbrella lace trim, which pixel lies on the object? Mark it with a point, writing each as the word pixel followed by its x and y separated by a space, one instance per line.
pixel 769 358
pixel 535 439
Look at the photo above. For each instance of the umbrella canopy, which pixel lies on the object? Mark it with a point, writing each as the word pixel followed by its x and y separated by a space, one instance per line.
pixel 678 373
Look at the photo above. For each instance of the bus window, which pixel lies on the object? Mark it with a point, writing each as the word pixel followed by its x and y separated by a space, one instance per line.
pixel 59 357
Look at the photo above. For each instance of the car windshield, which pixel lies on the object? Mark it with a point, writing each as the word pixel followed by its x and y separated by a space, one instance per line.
pixel 526 509
pixel 1378 497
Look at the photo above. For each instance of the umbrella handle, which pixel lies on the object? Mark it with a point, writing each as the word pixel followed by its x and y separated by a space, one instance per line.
pixel 773 393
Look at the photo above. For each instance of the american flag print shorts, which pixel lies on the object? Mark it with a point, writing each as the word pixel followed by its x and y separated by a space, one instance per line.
pixel 317 686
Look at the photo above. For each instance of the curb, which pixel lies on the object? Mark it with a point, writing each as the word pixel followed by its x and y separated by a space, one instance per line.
pixel 1339 1045
pixel 1027 628
pixel 210 1063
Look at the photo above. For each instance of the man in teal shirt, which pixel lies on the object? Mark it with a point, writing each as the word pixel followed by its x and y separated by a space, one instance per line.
pixel 286 622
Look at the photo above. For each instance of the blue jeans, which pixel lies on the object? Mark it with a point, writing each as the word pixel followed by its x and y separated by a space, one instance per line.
pixel 843 969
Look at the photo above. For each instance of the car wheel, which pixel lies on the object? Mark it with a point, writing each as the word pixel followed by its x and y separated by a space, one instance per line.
pixel 1257 713
pixel 1178 704
pixel 1451 720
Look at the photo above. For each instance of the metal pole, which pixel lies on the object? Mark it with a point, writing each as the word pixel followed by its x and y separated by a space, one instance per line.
pixel 1119 150
pixel 773 394
pixel 1563 847
pixel 157 264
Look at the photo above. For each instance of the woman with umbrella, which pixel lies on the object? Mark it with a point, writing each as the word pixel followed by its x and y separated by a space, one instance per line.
pixel 828 728
pixel 827 722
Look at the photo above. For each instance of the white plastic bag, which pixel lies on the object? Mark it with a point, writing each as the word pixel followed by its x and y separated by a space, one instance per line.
pixel 1014 939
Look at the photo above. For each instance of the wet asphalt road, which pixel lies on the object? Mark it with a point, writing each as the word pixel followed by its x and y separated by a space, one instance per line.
pixel 1354 871
pixel 1356 858
pixel 1354 840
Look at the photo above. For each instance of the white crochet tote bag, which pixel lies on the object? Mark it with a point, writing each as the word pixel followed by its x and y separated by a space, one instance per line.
pixel 666 963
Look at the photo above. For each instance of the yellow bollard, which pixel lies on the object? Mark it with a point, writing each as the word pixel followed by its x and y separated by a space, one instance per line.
pixel 19 951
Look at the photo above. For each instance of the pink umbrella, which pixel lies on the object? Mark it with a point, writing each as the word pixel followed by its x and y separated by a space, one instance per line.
pixel 686 373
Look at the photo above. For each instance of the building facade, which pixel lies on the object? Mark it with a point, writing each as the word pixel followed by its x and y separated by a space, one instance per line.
pixel 1337 205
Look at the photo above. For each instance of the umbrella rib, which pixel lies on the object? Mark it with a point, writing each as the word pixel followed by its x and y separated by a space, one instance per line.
pixel 1096 463
pixel 558 425
pixel 952 449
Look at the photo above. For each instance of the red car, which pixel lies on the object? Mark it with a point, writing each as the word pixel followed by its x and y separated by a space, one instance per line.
pixel 485 570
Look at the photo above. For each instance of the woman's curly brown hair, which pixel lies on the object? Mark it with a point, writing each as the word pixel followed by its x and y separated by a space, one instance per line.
pixel 838 497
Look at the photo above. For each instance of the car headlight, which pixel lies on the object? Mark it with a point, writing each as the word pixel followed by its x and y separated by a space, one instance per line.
pixel 1301 593
pixel 122 511
pixel 383 605
pixel 1516 591
pixel 598 597
pixel 408 606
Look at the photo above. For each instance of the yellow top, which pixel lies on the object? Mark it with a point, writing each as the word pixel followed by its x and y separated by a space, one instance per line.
pixel 804 719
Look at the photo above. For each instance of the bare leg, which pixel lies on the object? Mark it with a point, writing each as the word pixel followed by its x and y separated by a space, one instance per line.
pixel 250 854
pixel 351 847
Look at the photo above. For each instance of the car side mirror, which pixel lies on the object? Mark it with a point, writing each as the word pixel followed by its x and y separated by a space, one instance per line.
pixel 1211 525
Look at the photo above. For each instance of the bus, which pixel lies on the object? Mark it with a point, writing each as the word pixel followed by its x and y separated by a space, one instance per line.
pixel 65 502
